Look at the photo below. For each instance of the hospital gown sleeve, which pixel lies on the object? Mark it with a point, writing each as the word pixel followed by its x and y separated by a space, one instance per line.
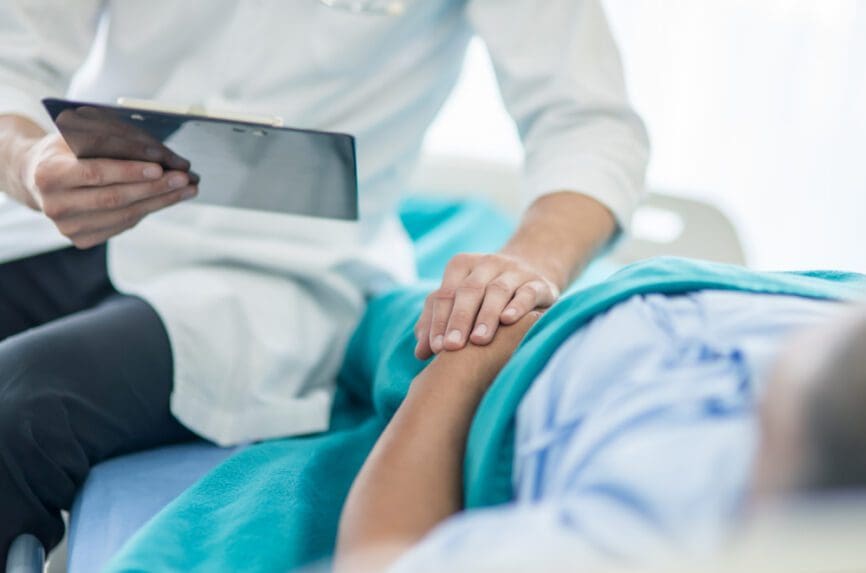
pixel 42 45
pixel 561 78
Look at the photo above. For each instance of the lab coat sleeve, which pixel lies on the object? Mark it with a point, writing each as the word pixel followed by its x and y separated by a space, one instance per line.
pixel 42 45
pixel 561 78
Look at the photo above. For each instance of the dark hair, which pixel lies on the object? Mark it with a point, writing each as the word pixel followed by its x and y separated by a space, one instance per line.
pixel 835 418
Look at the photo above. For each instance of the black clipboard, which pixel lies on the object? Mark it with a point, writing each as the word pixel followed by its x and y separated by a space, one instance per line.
pixel 236 163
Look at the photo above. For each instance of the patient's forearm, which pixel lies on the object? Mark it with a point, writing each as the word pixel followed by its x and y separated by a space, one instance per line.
pixel 413 478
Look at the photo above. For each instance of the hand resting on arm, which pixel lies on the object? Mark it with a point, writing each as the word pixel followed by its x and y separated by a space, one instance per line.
pixel 558 235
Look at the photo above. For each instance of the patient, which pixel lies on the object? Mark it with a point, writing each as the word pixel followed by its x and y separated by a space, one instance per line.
pixel 650 430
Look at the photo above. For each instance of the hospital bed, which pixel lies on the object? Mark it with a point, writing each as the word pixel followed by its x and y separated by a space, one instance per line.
pixel 122 494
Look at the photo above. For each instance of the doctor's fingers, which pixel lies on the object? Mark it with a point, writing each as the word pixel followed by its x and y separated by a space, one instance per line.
pixel 91 229
pixel 468 299
pixel 530 296
pixel 63 171
pixel 499 293
pixel 71 203
pixel 442 300
pixel 422 331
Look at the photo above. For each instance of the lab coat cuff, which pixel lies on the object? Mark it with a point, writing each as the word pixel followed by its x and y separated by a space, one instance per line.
pixel 18 101
pixel 308 415
pixel 590 176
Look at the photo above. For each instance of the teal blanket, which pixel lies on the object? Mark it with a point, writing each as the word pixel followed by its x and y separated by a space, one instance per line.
pixel 275 506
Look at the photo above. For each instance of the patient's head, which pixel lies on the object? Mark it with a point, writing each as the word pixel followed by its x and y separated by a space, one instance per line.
pixel 813 418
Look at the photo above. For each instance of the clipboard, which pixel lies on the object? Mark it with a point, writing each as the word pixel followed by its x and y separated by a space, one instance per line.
pixel 238 162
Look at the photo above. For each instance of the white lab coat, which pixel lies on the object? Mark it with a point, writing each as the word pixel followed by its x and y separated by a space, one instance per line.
pixel 258 306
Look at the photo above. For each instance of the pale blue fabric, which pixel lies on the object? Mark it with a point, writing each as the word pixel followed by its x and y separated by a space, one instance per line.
pixel 637 437
pixel 122 494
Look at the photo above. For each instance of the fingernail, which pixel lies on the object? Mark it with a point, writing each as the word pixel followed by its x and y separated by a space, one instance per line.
pixel 509 313
pixel 177 181
pixel 153 153
pixel 437 343
pixel 480 330
pixel 454 337
pixel 189 193
pixel 152 172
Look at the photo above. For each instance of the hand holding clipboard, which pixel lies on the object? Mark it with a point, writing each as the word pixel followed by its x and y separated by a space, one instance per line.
pixel 115 165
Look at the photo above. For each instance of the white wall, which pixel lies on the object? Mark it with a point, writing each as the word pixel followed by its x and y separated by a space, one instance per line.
pixel 756 105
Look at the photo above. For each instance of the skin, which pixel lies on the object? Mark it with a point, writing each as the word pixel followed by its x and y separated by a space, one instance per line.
pixel 88 200
pixel 413 478
pixel 558 235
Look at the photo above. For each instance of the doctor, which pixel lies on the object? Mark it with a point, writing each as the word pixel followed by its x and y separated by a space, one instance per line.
pixel 230 324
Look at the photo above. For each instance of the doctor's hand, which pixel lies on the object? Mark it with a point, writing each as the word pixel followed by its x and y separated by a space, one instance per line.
pixel 92 200
pixel 478 293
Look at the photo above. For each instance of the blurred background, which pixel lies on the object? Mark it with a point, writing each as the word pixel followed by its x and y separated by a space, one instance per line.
pixel 758 106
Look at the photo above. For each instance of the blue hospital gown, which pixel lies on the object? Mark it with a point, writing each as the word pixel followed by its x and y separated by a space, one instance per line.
pixel 636 440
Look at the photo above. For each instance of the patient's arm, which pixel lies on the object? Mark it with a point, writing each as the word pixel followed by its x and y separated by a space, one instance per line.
pixel 413 478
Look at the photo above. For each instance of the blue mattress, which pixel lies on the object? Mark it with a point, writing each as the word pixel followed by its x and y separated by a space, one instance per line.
pixel 122 494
